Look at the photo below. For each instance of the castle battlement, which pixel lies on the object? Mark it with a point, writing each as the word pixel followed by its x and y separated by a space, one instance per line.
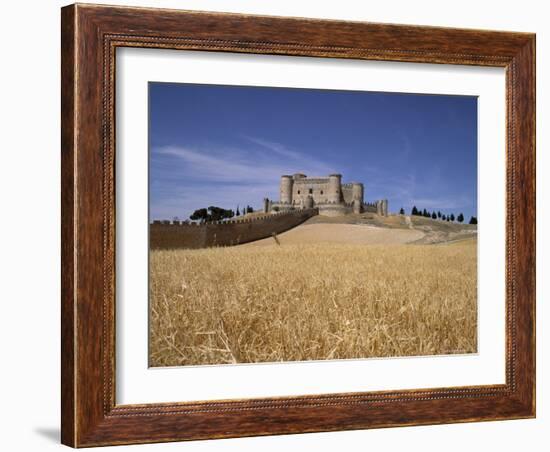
pixel 273 216
pixel 171 235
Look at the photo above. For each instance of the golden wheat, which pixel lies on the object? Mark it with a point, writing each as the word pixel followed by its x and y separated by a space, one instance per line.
pixel 314 302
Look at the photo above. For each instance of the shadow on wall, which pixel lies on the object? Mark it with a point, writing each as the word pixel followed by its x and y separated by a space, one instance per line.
pixel 52 434
pixel 166 235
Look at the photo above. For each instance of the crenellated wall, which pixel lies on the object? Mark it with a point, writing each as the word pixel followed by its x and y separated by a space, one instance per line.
pixel 328 194
pixel 173 235
pixel 370 207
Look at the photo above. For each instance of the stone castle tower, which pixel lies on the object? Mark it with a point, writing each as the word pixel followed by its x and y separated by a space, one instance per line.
pixel 328 194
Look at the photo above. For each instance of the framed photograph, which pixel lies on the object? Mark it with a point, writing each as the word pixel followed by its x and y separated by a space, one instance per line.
pixel 281 225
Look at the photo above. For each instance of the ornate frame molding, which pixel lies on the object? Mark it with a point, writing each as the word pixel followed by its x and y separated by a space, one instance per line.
pixel 90 36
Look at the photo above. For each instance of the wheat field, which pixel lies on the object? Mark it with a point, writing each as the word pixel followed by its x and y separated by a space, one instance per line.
pixel 311 302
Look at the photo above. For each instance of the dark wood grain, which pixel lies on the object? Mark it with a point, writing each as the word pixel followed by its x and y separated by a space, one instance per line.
pixel 68 310
pixel 90 36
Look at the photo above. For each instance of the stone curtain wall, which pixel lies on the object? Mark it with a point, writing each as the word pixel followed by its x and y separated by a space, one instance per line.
pixel 370 207
pixel 167 235
pixel 302 186
pixel 347 193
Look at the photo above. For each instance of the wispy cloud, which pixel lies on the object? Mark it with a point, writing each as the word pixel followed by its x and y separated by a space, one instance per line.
pixel 280 149
pixel 405 190
pixel 184 178
pixel 218 166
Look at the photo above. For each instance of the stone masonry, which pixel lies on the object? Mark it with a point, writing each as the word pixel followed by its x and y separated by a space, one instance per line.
pixel 328 194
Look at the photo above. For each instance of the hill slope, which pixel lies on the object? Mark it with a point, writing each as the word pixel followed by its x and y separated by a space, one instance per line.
pixel 372 229
pixel 359 234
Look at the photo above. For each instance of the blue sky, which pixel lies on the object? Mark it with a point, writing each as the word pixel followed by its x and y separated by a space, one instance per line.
pixel 229 145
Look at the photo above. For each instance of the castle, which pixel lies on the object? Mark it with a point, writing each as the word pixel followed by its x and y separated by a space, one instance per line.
pixel 328 194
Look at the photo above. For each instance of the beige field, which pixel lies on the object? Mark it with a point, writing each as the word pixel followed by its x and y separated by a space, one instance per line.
pixel 302 301
pixel 342 233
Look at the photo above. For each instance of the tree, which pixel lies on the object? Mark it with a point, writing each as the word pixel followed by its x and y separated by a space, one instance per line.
pixel 401 211
pixel 452 217
pixel 213 213
pixel 473 220
pixel 425 213
pixel 460 218
pixel 443 217
pixel 448 218
pixel 200 214
pixel 434 216
pixel 249 209
pixel 223 214
pixel 217 213
pixel 238 213
pixel 438 214
pixel 414 211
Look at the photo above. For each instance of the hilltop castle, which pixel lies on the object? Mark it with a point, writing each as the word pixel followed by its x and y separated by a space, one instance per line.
pixel 327 194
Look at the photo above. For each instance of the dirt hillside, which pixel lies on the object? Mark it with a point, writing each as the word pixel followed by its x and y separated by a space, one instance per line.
pixel 373 229
pixel 342 233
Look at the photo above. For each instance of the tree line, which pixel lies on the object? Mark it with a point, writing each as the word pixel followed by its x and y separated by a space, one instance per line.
pixel 213 213
pixel 438 215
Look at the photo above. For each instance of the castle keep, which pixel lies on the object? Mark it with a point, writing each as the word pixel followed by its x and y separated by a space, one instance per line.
pixel 328 194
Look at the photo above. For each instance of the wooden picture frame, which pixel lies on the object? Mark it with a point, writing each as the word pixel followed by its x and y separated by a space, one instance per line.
pixel 90 36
